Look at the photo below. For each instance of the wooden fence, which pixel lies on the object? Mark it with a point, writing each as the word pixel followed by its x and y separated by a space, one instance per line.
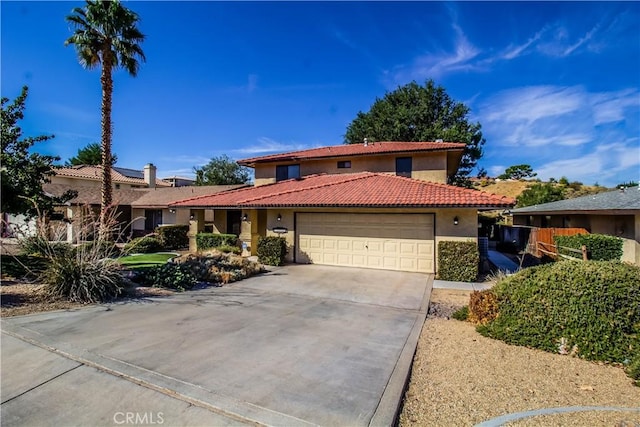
pixel 541 241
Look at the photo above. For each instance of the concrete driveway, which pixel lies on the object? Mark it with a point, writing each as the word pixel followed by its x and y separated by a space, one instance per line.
pixel 301 345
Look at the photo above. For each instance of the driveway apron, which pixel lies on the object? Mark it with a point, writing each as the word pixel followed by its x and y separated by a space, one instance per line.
pixel 300 345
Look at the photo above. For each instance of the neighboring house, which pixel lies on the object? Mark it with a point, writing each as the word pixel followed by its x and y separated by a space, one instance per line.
pixel 179 181
pixel 152 209
pixel 139 211
pixel 616 213
pixel 383 205
pixel 122 178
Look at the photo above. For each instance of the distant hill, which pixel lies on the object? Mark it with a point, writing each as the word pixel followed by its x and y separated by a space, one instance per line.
pixel 513 188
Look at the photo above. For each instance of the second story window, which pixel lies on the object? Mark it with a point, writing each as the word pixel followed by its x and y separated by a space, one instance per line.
pixel 403 166
pixel 287 172
pixel 346 164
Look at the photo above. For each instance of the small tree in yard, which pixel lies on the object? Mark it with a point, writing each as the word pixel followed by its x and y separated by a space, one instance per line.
pixel 222 170
pixel 24 172
pixel 89 155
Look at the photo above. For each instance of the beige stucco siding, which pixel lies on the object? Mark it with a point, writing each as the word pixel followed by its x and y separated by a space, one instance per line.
pixel 426 166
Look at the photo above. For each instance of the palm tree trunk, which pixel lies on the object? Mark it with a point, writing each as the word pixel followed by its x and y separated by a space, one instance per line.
pixel 106 81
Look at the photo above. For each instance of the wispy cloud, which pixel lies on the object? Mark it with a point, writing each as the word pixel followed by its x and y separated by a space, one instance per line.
pixel 267 145
pixel 537 116
pixel 607 164
pixel 552 40
pixel 435 65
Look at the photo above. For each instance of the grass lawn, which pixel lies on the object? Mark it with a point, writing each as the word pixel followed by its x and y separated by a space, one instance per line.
pixel 146 260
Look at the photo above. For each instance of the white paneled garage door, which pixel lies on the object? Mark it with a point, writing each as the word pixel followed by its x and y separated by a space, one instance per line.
pixel 402 242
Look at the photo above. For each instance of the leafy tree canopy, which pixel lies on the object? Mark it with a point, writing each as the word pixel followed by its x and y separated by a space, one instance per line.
pixel 222 170
pixel 89 155
pixel 540 193
pixel 518 172
pixel 421 113
pixel 23 172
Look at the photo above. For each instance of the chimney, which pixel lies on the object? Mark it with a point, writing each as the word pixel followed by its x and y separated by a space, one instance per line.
pixel 366 142
pixel 150 175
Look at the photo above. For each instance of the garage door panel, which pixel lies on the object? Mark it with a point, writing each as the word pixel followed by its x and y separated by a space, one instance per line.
pixel 385 241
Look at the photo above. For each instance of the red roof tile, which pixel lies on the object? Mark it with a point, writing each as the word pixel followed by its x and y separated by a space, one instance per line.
pixel 355 150
pixel 365 189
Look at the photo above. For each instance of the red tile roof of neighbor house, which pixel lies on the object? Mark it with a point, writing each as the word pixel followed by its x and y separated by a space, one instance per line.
pixel 95 173
pixel 364 189
pixel 371 148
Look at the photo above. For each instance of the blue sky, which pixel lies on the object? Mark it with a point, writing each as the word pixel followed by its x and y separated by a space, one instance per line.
pixel 554 84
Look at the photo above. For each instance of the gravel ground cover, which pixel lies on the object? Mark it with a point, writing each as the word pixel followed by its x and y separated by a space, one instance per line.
pixel 461 378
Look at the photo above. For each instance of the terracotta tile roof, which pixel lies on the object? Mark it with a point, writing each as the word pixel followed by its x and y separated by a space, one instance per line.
pixel 365 189
pixel 92 195
pixel 89 172
pixel 162 197
pixel 344 150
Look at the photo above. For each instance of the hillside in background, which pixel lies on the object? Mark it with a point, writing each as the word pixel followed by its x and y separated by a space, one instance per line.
pixel 513 188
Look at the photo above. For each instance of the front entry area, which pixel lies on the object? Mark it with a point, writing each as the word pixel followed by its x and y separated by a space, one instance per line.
pixel 403 242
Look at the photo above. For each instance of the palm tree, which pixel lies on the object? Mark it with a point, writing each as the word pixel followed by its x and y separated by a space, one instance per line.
pixel 106 36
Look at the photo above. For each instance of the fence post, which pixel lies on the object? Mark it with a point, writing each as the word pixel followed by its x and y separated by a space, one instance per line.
pixel 584 253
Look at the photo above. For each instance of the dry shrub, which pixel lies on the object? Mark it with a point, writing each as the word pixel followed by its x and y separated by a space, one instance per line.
pixel 483 307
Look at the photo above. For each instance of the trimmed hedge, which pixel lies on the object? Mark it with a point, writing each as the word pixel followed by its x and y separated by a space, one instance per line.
pixel 591 309
pixel 272 250
pixel 458 261
pixel 173 236
pixel 143 245
pixel 206 241
pixel 600 247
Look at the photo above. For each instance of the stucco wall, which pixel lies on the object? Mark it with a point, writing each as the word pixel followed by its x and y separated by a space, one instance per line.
pixel 426 166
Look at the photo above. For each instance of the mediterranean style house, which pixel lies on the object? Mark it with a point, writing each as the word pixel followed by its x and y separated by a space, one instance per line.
pixel 383 205
pixel 122 178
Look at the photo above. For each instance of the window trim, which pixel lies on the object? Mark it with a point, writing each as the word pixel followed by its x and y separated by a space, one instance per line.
pixel 288 169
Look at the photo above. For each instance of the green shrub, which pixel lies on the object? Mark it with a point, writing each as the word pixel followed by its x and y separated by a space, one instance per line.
pixel 590 308
pixel 272 250
pixel 143 245
pixel 483 307
pixel 633 369
pixel 173 236
pixel 600 247
pixel 229 249
pixel 169 275
pixel 458 261
pixel 81 279
pixel 38 245
pixel 22 266
pixel 206 241
pixel 461 314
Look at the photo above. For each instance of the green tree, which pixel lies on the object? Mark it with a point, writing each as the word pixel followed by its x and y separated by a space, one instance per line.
pixel 540 193
pixel 89 155
pixel 106 36
pixel 421 113
pixel 24 172
pixel 221 170
pixel 518 172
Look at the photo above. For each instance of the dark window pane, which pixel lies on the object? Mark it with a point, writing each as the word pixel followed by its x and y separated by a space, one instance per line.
pixel 403 166
pixel 294 171
pixel 281 172
pixel 344 164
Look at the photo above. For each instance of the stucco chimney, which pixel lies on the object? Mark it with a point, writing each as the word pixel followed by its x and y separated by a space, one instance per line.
pixel 366 142
pixel 150 175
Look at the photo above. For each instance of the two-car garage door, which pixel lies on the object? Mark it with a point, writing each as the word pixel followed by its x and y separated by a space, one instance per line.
pixel 402 242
